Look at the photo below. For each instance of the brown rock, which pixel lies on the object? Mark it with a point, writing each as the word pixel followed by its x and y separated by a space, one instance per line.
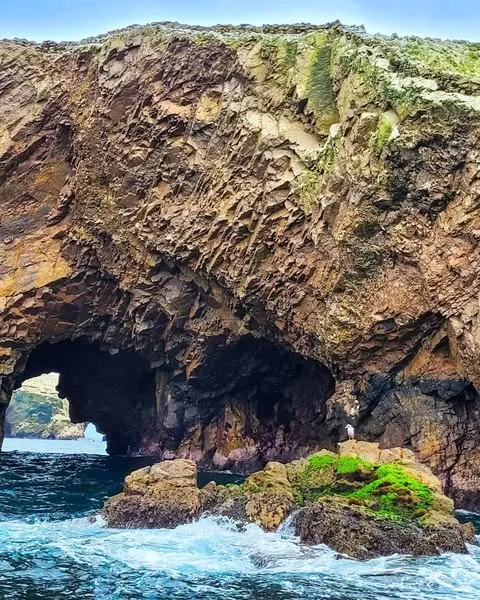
pixel 273 478
pixel 251 251
pixel 358 508
pixel 164 495
pixel 351 531
pixel 268 509
pixel 266 498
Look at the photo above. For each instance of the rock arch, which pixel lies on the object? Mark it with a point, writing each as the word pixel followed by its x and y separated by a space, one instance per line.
pixel 248 402
pixel 266 203
pixel 114 391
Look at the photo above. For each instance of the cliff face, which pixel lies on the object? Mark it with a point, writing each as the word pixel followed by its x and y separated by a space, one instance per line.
pixel 231 242
pixel 35 411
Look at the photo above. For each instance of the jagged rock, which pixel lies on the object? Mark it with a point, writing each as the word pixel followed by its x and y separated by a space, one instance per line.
pixel 348 530
pixel 359 508
pixel 266 498
pixel 231 242
pixel 163 495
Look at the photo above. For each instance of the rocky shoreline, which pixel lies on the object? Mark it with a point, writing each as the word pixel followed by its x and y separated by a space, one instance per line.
pixel 362 501
pixel 37 412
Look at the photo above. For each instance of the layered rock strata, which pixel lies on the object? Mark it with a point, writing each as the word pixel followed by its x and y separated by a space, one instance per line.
pixel 231 242
pixel 359 508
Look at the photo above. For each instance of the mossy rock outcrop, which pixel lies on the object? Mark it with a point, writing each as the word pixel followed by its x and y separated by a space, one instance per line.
pixel 362 501
pixel 350 530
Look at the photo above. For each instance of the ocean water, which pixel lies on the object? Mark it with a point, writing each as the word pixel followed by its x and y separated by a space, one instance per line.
pixel 53 546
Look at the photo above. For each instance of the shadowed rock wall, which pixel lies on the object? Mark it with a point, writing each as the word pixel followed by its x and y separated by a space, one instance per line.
pixel 276 228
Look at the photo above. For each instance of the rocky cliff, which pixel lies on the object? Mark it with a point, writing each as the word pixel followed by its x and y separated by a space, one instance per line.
pixel 230 242
pixel 35 411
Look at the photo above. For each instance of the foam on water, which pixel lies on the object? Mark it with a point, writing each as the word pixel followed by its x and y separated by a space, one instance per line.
pixel 212 558
pixel 45 555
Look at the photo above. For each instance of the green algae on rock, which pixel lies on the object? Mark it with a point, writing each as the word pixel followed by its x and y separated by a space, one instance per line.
pixel 337 499
pixel 385 490
pixel 345 527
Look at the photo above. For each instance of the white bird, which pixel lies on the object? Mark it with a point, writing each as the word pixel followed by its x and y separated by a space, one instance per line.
pixel 350 432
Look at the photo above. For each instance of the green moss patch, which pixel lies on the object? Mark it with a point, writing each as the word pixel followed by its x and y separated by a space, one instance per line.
pixel 352 464
pixel 328 474
pixel 321 461
pixel 307 189
pixel 280 53
pixel 395 494
pixel 386 491
pixel 315 82
pixel 384 132
pixel 461 58
pixel 315 479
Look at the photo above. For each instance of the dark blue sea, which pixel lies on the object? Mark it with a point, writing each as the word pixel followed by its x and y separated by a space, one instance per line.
pixel 54 546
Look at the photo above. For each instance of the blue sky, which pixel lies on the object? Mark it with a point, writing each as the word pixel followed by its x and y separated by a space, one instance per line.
pixel 76 19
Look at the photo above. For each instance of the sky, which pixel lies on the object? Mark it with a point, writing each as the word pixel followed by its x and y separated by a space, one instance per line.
pixel 76 19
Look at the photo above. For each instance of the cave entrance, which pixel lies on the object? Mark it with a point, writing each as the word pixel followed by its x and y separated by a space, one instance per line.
pixel 37 411
pixel 111 389
pixel 243 403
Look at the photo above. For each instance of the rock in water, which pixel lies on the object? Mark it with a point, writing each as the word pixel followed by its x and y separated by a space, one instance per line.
pixel 362 502
pixel 352 531
pixel 163 495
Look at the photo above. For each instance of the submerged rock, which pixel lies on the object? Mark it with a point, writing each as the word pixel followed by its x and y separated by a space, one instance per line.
pixel 363 502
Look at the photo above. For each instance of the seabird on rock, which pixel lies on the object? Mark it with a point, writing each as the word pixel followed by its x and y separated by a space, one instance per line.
pixel 350 432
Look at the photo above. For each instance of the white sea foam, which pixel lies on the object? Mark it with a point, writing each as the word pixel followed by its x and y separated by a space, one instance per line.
pixel 213 549
pixel 43 554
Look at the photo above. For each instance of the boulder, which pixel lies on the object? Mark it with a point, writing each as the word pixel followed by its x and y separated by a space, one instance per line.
pixel 352 531
pixel 164 495
pixel 266 498
pixel 373 453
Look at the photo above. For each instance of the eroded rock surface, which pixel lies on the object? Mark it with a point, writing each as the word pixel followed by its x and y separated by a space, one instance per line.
pixel 163 495
pixel 359 508
pixel 230 242
pixel 345 528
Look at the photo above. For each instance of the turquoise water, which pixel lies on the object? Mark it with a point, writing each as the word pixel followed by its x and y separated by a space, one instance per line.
pixel 52 546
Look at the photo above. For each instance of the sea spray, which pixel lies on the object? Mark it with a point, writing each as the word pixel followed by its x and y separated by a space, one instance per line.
pixel 49 548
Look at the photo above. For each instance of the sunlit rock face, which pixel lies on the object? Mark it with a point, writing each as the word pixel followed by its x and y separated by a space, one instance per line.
pixel 239 240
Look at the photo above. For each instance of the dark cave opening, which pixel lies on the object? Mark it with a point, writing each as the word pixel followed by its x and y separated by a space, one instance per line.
pixel 247 401
pixel 108 389
pixel 251 401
